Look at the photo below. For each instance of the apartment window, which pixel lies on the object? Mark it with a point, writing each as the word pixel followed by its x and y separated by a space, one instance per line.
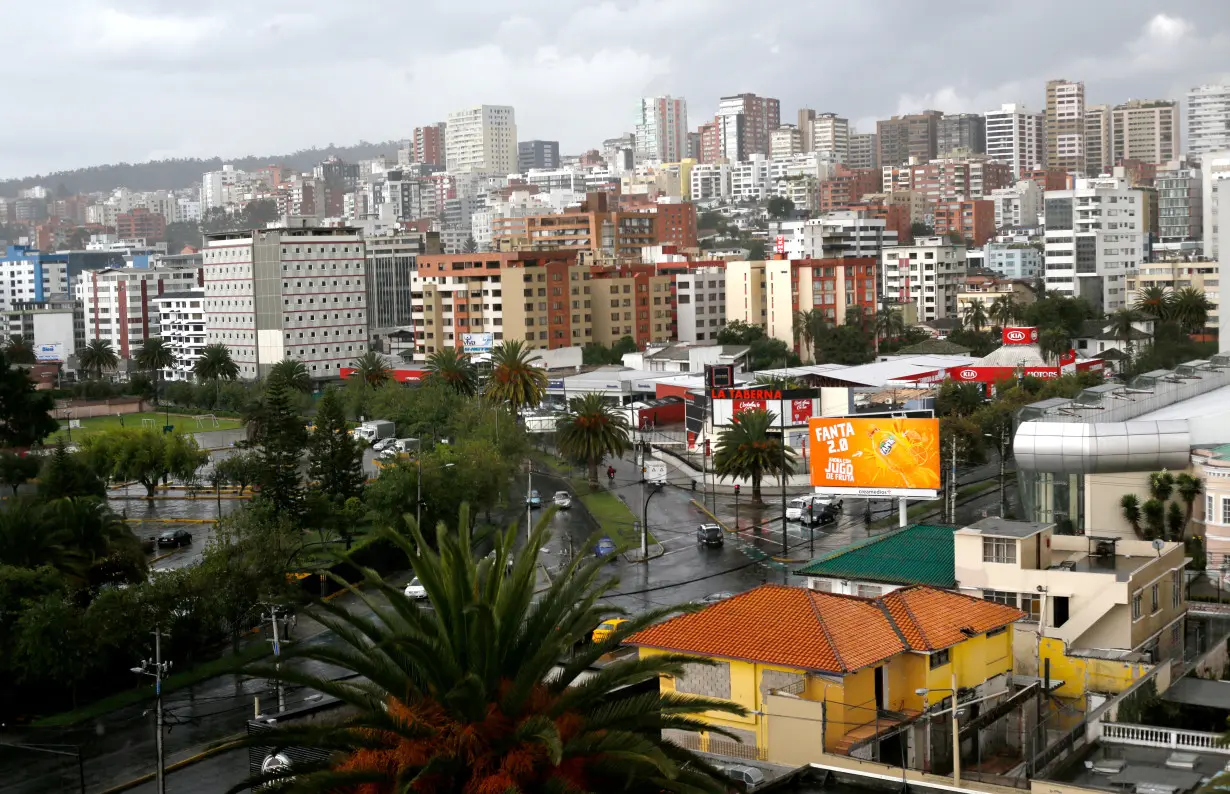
pixel 1208 507
pixel 870 591
pixel 1031 603
pixel 1155 593
pixel 999 597
pixel 939 659
pixel 1176 587
pixel 1001 550
pixel 1225 510
pixel 1137 604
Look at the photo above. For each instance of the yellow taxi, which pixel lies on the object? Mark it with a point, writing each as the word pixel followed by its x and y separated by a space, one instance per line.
pixel 606 628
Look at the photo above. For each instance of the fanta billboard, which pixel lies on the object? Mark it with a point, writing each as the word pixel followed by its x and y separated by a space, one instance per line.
pixel 1020 335
pixel 883 456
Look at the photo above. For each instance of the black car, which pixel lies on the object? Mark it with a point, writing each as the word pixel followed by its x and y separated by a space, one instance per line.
pixel 710 535
pixel 175 537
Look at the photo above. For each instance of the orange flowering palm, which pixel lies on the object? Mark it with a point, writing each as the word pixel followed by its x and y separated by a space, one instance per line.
pixel 489 690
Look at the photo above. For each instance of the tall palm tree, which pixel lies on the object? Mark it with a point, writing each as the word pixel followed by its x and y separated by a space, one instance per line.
pixel 1003 311
pixel 975 315
pixel 1190 307
pixel 590 431
pixel 514 378
pixel 155 355
pixel 1189 488
pixel 777 381
pixel 454 369
pixel 887 324
pixel 293 373
pixel 1122 326
pixel 470 695
pixel 1129 504
pixel 810 327
pixel 371 369
pixel 20 349
pixel 96 356
pixel 1154 302
pixel 745 450
pixel 216 364
pixel 1054 342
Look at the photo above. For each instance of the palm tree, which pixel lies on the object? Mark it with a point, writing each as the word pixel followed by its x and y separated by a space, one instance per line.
pixel 1122 326
pixel 514 378
pixel 155 355
pixel 1161 485
pixel 1155 303
pixel 777 381
pixel 293 373
pixel 96 356
pixel 1190 307
pixel 1003 311
pixel 975 315
pixel 887 324
pixel 590 431
pixel 371 369
pixel 20 349
pixel 454 369
pixel 216 364
pixel 1053 343
pixel 471 694
pixel 810 327
pixel 1130 505
pixel 745 450
pixel 1189 488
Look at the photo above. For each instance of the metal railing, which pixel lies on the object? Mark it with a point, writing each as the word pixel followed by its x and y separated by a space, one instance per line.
pixel 1169 738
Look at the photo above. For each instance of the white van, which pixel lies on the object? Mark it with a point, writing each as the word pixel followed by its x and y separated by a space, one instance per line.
pixel 815 506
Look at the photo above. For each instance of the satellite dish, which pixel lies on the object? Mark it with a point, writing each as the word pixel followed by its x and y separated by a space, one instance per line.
pixel 1158 545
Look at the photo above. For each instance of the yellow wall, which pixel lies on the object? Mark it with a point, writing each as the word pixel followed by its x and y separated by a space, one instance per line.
pixel 1080 674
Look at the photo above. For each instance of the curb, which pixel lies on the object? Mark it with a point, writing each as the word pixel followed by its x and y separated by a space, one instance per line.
pixel 711 515
pixel 226 745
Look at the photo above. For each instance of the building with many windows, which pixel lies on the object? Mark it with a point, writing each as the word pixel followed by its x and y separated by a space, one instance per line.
pixel 662 129
pixel 56 324
pixel 391 262
pixel 181 324
pixel 120 305
pixel 964 133
pixel 903 137
pixel 864 150
pixel 700 296
pixel 1095 237
pixel 291 292
pixel 1013 260
pixel 1014 136
pixel 929 274
pixel 831 134
pixel 481 139
pixel 1018 206
pixel 1065 126
pixel 744 122
pixel 1180 200
pixel 1208 119
pixel 833 287
pixel 1176 274
pixel 537 154
pixel 1145 130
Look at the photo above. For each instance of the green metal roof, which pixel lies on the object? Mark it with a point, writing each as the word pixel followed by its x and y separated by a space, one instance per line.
pixel 918 554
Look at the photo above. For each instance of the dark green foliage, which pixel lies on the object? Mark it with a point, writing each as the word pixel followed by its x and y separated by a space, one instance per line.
pixel 16 470
pixel 25 413
pixel 335 460
pixel 282 438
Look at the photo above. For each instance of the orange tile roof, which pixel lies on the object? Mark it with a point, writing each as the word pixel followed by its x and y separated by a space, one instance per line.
pixel 933 619
pixel 810 630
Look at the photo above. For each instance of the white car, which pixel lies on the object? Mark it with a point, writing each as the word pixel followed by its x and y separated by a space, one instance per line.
pixel 415 590
pixel 798 509
pixel 562 499
pixel 383 444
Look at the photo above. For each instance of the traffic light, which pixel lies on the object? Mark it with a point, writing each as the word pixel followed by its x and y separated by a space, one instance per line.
pixel 736 489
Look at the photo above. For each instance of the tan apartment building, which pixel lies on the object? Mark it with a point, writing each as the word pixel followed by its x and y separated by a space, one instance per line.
pixel 1065 126
pixel 1177 275
pixel 835 287
pixel 548 299
pixel 1145 130
pixel 596 227
pixel 903 137
pixel 985 289
pixel 1098 159
pixel 745 293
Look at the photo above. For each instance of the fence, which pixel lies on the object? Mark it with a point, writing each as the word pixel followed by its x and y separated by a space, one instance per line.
pixel 1168 738
pixel 724 747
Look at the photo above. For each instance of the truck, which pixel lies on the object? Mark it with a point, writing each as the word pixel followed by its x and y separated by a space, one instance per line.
pixel 374 430
pixel 655 472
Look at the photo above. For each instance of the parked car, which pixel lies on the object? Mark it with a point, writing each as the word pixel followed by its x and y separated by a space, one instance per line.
pixel 415 589
pixel 800 508
pixel 606 628
pixel 751 777
pixel 715 598
pixel 562 499
pixel 383 444
pixel 175 538
pixel 534 499
pixel 710 535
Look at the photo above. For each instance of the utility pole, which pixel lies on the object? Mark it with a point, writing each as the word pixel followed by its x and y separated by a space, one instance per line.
pixel 529 507
pixel 277 657
pixel 781 409
pixel 157 668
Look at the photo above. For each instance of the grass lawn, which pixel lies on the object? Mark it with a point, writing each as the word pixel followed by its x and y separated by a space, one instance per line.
pixel 613 516
pixel 98 424
pixel 220 666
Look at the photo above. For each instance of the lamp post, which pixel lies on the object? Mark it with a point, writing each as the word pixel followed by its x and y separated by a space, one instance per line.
pixel 657 489
pixel 157 669
pixel 1003 451
pixel 736 507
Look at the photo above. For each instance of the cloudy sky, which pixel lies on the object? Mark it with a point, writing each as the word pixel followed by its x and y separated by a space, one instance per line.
pixel 110 80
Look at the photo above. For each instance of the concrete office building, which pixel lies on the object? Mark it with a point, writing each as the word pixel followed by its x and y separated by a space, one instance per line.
pixel 1018 206
pixel 537 154
pixel 1013 260
pixel 700 310
pixel 831 134
pixel 1015 136
pixel 844 234
pixel 661 129
pixel 785 141
pixel 391 262
pixel 1215 204
pixel 744 122
pixel 864 151
pixel 1208 119
pixel 928 274
pixel 56 323
pixel 481 139
pixel 1095 237
pixel 1177 274
pixel 181 324
pixel 965 133
pixel 745 293
pixel 429 144
pixel 1145 130
pixel 282 293
pixel 1180 200
pixel 1099 158
pixel 1065 126
pixel 119 305
pixel 903 137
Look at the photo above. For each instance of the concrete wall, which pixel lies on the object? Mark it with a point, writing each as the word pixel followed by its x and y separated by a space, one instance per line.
pixel 1103 516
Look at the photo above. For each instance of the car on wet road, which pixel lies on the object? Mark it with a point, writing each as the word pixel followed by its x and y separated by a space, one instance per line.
pixel 710 535
pixel 606 628
pixel 715 598
pixel 562 500
pixel 175 538
pixel 534 499
pixel 415 589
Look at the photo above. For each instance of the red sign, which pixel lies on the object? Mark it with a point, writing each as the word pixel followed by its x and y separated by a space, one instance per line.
pixel 399 375
pixel 996 374
pixel 1067 362
pixel 740 405
pixel 1020 336
pixel 780 244
pixel 800 411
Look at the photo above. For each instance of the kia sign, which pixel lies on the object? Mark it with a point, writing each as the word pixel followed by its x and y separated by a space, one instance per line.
pixel 1020 336
pixel 49 352
pixel 477 343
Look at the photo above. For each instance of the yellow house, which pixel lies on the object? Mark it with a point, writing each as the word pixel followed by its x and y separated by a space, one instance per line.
pixel 827 673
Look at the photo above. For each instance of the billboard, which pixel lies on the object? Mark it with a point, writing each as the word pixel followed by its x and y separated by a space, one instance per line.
pixel 883 456
pixel 477 343
pixel 49 352
pixel 1027 335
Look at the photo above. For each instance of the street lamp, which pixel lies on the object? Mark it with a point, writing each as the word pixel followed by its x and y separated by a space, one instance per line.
pixel 1003 451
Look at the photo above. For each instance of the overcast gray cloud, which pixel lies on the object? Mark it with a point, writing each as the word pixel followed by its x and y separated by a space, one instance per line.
pixel 107 80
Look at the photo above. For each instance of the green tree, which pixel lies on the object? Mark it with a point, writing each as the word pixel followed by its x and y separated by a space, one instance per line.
pixel 846 344
pixel 240 469
pixel 590 431
pixel 371 369
pixel 780 207
pixel 335 460
pixel 293 373
pixel 20 349
pixel 1161 485
pixel 1054 342
pixel 1154 511
pixel 980 343
pixel 1155 303
pixel 887 323
pixel 16 470
pixel 53 644
pixel 133 454
pixel 97 356
pixel 481 703
pixel 1129 506
pixel 514 378
pixel 454 369
pixel 746 451
pixel 1174 522
pixel 810 329
pixel 975 315
pixel 65 474
pixel 1003 311
pixel 216 364
pixel 755 250
pixel 920 229
pixel 155 356
pixel 1189 489
pixel 25 412
pixel 765 353
pixel 282 438
pixel 958 399
pixel 1122 327
pixel 1190 308
pixel 738 332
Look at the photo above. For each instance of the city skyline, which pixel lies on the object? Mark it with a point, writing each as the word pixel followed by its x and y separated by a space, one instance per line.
pixel 198 66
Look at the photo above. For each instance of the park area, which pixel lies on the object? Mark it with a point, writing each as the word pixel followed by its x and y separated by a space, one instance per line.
pixel 154 420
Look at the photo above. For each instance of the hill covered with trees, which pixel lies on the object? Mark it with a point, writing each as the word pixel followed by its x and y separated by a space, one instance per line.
pixel 182 172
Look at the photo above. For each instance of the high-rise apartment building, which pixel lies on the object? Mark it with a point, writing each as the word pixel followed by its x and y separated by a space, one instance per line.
pixel 1180 202
pixel 785 141
pixel 903 137
pixel 1017 206
pixel 140 224
pixel 806 125
pixel 296 293
pixel 949 179
pixel 700 309
pixel 391 262
pixel 831 135
pixel 595 227
pixel 833 287
pixel 1015 137
pixel 973 220
pixel 744 122
pixel 481 139
pixel 710 143
pixel 1065 126
pixel 1145 130
pixel 429 145
pixel 961 132
pixel 1215 204
pixel 864 150
pixel 1208 119
pixel 1098 156
pixel 118 305
pixel 929 274
pixel 181 324
pixel 662 129
pixel 1095 236
pixel 537 154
